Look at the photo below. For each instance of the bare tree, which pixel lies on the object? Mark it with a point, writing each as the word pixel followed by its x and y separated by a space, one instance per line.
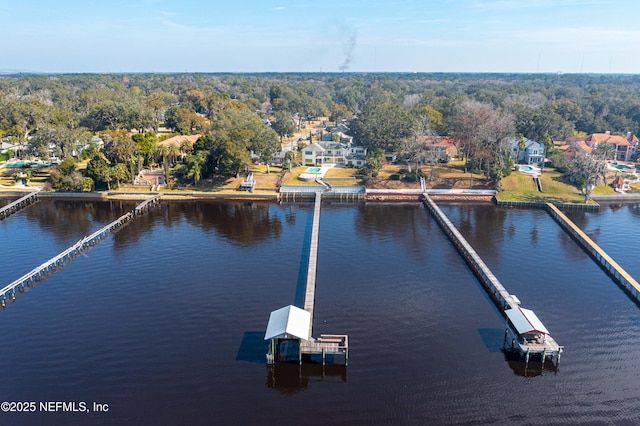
pixel 586 172
pixel 484 133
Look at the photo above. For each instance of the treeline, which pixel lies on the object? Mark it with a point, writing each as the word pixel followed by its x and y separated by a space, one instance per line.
pixel 51 114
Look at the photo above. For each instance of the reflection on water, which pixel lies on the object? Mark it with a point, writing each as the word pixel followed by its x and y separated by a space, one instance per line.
pixel 290 378
pixel 165 320
pixel 535 366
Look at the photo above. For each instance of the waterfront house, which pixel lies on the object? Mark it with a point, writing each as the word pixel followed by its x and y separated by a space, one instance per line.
pixel 624 146
pixel 533 152
pixel 444 147
pixel 328 152
pixel 575 145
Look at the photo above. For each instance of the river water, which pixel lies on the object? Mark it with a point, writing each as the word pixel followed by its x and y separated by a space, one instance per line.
pixel 163 321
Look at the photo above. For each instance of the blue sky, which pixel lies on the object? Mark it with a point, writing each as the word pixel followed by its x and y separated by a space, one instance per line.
pixel 571 36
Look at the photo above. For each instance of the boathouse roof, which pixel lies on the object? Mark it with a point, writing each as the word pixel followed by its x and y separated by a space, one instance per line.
pixel 525 321
pixel 288 322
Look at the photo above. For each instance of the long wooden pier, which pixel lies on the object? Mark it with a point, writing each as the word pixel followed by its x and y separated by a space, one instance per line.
pixel 326 344
pixel 606 262
pixel 13 207
pixel 508 304
pixel 310 287
pixel 40 272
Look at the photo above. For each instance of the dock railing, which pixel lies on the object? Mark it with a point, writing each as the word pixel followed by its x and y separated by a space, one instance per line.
pixel 14 206
pixel 40 272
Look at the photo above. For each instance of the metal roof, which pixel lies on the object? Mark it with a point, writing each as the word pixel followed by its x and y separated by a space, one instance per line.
pixel 289 321
pixel 525 321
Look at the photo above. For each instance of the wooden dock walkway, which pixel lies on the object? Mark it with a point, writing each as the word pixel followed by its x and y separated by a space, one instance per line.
pixel 501 297
pixel 13 207
pixel 310 287
pixel 144 206
pixel 606 262
pixel 50 266
pixel 326 344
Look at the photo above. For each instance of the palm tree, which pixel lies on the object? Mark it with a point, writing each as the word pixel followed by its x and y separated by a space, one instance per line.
pixel 195 163
pixel 164 151
pixel 185 146
pixel 521 145
pixel 604 150
pixel 174 151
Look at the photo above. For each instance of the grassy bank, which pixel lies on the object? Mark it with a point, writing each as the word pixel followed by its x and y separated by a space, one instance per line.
pixel 521 187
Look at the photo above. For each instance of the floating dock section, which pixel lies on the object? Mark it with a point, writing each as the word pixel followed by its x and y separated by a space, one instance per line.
pixel 530 337
pixel 609 265
pixel 13 207
pixel 40 272
pixel 294 324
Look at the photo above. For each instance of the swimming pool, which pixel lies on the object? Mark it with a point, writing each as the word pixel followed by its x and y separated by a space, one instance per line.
pixel 525 168
pixel 17 164
pixel 313 170
pixel 624 167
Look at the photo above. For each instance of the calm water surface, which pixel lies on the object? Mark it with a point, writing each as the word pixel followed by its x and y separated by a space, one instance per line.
pixel 164 320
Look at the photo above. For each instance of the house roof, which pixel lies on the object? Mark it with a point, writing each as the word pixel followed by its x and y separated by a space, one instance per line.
pixel 525 321
pixel 528 143
pixel 289 321
pixel 597 138
pixel 437 140
pixel 618 182
pixel 581 146
pixel 177 140
pixel 571 139
pixel 315 147
pixel 446 142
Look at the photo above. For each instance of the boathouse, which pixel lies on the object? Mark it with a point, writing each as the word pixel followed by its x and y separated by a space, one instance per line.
pixel 527 324
pixel 288 325
pixel 289 333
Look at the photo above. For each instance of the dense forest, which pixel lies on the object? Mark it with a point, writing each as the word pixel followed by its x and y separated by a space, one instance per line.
pixel 52 115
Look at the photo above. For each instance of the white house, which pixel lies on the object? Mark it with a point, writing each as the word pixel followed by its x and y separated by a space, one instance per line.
pixel 326 152
pixel 533 152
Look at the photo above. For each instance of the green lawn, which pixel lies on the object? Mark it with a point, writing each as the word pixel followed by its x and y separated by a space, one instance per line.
pixel 292 178
pixel 520 187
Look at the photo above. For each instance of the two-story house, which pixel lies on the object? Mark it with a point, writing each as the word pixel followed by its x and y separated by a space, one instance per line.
pixel 532 153
pixel 327 152
pixel 624 147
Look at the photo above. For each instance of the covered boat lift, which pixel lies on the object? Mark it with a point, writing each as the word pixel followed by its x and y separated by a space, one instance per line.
pixel 532 336
pixel 287 323
pixel 292 324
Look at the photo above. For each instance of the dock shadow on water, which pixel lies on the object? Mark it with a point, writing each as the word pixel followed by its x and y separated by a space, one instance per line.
pixel 253 348
pixel 493 338
pixel 301 285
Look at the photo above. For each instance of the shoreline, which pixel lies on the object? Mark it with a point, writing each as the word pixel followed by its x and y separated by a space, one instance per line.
pixel 269 195
pixel 273 195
